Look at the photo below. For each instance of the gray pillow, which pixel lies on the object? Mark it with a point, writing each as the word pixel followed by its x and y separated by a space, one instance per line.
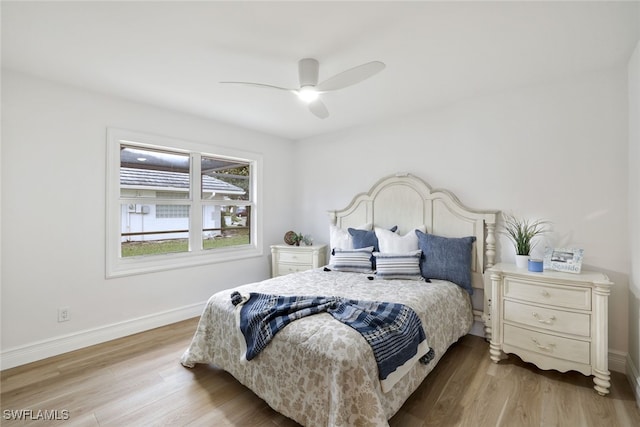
pixel 446 258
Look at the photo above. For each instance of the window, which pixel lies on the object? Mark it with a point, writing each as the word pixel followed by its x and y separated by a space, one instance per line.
pixel 173 203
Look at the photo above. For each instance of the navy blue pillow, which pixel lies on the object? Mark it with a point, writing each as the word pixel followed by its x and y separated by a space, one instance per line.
pixel 366 238
pixel 446 258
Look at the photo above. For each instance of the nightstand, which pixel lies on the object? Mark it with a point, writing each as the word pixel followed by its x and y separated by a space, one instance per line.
pixel 554 320
pixel 287 259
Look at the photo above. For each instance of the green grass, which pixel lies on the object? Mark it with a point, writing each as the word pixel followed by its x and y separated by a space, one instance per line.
pixel 156 247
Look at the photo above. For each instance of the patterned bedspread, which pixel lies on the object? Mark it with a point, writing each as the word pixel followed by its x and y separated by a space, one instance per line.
pixel 319 371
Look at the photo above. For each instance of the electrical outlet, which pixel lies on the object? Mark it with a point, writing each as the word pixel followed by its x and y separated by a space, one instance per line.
pixel 63 314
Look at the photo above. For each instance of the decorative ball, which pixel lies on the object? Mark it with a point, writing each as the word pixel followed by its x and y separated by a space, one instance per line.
pixel 290 237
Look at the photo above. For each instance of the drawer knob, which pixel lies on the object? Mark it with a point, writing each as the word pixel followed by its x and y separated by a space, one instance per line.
pixel 545 293
pixel 543 347
pixel 548 321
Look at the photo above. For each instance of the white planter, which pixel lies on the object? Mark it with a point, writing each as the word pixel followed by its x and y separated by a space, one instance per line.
pixel 522 261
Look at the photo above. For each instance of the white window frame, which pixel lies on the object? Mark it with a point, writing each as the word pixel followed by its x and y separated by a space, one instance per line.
pixel 117 266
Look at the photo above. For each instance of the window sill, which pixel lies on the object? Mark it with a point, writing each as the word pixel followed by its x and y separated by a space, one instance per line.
pixel 150 264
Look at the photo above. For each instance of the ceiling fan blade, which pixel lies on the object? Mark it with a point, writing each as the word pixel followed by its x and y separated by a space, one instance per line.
pixel 351 76
pixel 308 72
pixel 318 108
pixel 261 85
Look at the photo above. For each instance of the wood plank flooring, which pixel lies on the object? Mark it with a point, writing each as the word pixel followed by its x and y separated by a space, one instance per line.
pixel 138 381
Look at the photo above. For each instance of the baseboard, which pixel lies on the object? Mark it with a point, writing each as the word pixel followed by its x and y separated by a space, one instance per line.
pixel 52 347
pixel 617 361
pixel 477 328
pixel 634 379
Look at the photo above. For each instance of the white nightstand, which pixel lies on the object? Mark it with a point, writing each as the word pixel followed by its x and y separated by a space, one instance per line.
pixel 554 320
pixel 287 259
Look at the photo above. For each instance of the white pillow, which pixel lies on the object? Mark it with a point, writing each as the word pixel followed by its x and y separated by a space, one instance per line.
pixel 393 243
pixel 339 238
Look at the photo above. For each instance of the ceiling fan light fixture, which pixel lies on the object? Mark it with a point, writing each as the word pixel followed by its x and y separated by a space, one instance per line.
pixel 310 90
pixel 308 94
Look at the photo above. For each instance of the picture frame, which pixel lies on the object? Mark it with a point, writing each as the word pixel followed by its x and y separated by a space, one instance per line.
pixel 563 259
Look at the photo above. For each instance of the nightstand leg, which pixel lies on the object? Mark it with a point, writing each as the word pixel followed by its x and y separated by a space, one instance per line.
pixel 602 381
pixel 495 353
pixel 601 373
pixel 495 347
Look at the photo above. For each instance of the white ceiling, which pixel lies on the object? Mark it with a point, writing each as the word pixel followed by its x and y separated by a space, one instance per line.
pixel 173 54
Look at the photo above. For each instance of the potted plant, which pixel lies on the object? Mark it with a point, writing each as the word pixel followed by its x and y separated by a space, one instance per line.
pixel 297 239
pixel 521 233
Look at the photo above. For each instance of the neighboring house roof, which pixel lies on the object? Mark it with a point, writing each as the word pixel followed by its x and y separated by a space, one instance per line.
pixel 134 177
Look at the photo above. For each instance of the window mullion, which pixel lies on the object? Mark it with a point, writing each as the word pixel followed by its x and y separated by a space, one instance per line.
pixel 195 223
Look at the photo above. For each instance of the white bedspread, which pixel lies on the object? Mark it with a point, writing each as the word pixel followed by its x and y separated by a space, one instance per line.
pixel 317 370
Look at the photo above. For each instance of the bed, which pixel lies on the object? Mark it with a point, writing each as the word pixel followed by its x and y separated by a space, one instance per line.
pixel 321 372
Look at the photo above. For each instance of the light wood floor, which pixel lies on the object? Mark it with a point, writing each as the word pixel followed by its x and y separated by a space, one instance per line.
pixel 138 381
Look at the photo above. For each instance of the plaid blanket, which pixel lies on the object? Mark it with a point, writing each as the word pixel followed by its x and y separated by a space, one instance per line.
pixel 393 330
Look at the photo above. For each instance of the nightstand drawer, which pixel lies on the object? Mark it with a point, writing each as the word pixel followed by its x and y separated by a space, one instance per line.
pixel 284 268
pixel 548 318
pixel 549 345
pixel 557 295
pixel 295 257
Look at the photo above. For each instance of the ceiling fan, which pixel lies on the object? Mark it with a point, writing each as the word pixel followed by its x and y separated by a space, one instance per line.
pixel 310 90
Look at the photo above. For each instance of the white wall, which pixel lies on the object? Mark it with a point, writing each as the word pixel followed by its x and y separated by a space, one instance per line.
pixel 634 220
pixel 53 164
pixel 556 151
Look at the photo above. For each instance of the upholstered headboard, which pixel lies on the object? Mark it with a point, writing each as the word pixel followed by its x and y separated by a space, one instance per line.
pixel 408 202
